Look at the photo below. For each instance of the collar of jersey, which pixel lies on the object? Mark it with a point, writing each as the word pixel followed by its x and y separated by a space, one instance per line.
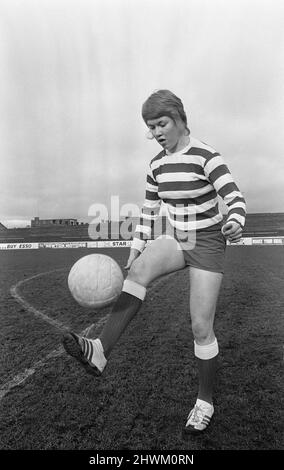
pixel 180 152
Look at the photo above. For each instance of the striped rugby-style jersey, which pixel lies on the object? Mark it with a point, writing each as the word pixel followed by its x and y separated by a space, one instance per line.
pixel 188 183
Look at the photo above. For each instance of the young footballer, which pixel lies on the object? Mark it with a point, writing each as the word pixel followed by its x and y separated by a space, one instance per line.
pixel 187 175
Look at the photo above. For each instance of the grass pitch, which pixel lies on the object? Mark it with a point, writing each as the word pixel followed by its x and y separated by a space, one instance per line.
pixel 150 383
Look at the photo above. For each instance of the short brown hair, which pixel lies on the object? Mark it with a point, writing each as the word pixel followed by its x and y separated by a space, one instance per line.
pixel 164 103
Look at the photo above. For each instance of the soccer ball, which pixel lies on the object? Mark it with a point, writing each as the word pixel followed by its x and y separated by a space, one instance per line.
pixel 95 281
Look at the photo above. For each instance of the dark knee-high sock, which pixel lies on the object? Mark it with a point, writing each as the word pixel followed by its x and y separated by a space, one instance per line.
pixel 207 358
pixel 207 371
pixel 122 313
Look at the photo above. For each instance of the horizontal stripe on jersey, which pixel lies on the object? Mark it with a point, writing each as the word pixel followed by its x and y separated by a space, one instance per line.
pixel 188 183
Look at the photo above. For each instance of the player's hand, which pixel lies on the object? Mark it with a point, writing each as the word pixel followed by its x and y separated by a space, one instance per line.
pixel 232 231
pixel 132 257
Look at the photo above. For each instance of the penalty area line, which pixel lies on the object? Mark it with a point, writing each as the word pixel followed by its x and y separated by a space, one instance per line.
pixel 89 331
pixel 14 291
pixel 22 376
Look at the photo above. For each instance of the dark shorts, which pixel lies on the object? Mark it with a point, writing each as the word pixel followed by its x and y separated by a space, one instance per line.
pixel 203 249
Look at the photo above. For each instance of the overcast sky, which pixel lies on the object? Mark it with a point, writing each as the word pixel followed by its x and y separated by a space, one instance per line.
pixel 74 74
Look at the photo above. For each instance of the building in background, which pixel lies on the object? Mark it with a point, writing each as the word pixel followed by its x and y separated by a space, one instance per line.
pixel 37 222
pixel 2 228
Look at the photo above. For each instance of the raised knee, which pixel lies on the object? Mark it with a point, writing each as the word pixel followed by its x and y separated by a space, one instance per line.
pixel 138 272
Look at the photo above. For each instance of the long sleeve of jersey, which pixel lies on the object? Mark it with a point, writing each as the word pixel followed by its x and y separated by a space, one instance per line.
pixel 189 183
pixel 149 213
pixel 220 177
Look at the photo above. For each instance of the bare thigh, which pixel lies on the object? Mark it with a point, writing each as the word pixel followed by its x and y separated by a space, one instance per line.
pixel 160 257
pixel 204 292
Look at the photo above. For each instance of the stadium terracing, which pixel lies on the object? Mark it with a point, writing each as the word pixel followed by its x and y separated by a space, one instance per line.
pixel 257 225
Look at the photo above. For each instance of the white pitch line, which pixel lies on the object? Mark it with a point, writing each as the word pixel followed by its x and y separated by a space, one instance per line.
pixel 14 291
pixel 22 376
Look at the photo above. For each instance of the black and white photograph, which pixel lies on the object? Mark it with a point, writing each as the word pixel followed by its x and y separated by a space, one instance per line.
pixel 141 230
